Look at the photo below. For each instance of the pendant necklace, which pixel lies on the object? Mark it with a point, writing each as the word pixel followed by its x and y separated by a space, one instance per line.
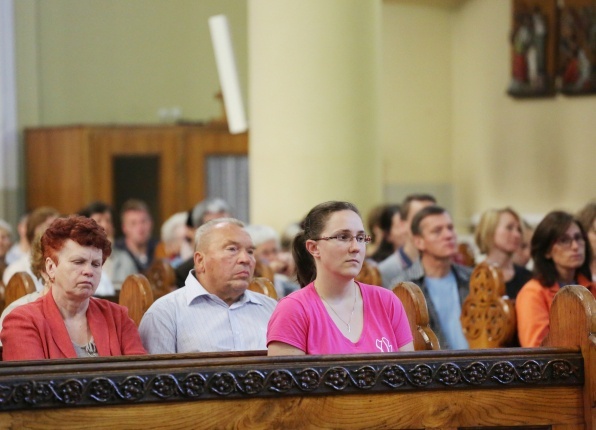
pixel 340 318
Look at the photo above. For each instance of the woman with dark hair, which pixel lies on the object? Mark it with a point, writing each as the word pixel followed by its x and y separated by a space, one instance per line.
pixel 68 322
pixel 386 233
pixel 498 236
pixel 562 256
pixel 332 313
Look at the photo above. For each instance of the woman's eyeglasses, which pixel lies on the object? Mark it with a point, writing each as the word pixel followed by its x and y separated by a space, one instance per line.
pixel 566 241
pixel 347 238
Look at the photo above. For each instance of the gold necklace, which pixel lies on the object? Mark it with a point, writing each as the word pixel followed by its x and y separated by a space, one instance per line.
pixel 340 318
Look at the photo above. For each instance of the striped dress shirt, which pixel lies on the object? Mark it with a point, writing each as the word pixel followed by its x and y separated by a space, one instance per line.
pixel 191 319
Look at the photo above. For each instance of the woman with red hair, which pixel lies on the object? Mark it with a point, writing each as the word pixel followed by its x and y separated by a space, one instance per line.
pixel 68 322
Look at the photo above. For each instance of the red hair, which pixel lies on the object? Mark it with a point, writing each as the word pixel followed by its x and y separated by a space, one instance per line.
pixel 82 230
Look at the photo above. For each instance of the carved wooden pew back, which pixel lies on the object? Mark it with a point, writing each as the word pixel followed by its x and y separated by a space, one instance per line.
pixel 162 277
pixel 19 285
pixel 264 286
pixel 136 295
pixel 414 303
pixel 488 315
pixel 369 274
pixel 502 388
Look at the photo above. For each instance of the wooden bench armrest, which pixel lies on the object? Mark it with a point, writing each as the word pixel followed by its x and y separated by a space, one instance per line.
pixel 264 286
pixel 19 285
pixel 414 303
pixel 136 295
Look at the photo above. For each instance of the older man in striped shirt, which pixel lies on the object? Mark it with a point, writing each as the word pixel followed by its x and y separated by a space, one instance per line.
pixel 214 311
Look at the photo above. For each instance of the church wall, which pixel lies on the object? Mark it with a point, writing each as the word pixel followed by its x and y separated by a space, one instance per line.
pixel 120 62
pixel 446 124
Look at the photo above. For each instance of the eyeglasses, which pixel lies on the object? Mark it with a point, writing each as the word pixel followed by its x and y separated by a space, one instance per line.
pixel 565 241
pixel 347 238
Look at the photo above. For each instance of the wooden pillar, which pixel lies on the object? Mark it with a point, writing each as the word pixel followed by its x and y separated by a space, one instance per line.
pixel 313 79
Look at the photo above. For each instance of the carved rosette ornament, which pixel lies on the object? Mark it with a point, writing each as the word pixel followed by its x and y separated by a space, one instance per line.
pixel 293 379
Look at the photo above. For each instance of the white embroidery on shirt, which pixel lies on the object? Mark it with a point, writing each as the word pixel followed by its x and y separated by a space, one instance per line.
pixel 384 345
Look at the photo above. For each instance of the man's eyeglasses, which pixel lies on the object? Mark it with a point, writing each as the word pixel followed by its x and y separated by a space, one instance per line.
pixel 565 241
pixel 347 238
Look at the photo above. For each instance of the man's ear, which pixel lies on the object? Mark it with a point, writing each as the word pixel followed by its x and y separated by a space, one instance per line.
pixel 312 246
pixel 199 260
pixel 418 242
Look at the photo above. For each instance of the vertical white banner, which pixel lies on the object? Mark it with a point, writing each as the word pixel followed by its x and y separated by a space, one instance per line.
pixel 228 73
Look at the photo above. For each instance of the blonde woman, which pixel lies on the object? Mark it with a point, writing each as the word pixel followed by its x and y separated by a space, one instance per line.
pixel 499 237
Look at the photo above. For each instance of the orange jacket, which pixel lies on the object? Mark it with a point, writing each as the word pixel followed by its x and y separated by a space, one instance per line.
pixel 532 307
pixel 36 331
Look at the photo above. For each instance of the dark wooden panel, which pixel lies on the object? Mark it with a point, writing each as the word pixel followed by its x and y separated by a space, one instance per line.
pixel 68 167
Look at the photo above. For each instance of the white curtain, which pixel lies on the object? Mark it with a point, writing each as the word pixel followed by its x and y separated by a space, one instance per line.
pixel 227 178
pixel 8 114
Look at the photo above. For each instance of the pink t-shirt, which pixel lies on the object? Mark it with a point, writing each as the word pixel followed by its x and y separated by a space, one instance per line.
pixel 301 320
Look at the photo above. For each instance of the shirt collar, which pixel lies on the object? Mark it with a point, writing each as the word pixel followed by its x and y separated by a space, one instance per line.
pixel 194 289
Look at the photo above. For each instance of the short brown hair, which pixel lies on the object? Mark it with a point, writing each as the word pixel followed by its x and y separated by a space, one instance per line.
pixel 423 213
pixel 404 208
pixel 38 217
pixel 134 205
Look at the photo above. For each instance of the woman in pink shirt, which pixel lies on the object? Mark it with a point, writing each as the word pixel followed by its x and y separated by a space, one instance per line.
pixel 332 313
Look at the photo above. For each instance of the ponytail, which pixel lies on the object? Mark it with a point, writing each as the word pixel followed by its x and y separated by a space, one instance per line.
pixel 306 271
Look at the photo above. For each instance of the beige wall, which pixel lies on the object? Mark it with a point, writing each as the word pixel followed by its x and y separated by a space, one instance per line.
pixel 454 122
pixel 536 155
pixel 114 61
pixel 416 92
pixel 446 123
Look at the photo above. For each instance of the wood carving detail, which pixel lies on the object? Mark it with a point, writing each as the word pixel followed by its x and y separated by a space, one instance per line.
pixel 121 389
pixel 488 316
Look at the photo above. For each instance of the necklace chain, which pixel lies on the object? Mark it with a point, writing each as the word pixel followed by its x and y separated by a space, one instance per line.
pixel 340 318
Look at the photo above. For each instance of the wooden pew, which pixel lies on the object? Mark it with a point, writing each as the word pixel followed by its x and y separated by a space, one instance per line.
pixel 264 286
pixel 19 285
pixel 136 295
pixel 369 274
pixel 549 387
pixel 414 303
pixel 488 315
pixel 162 278
pixel 466 254
pixel 262 270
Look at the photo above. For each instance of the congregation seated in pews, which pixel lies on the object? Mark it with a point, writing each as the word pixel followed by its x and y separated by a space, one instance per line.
pixel 550 387
pixel 430 388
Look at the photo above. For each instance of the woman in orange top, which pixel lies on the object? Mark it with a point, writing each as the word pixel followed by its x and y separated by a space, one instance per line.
pixel 562 256
pixel 68 322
